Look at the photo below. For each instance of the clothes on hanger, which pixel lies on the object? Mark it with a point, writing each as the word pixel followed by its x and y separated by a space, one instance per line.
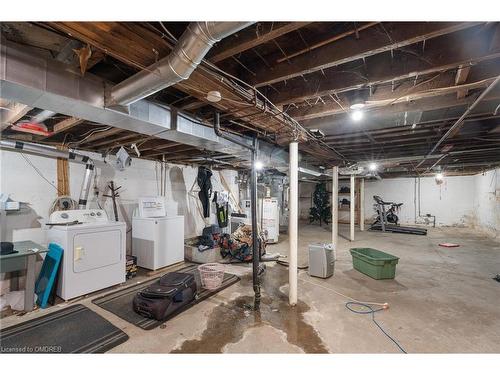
pixel 221 200
pixel 205 185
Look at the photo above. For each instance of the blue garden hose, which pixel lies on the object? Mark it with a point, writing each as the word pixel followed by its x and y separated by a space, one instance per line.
pixel 372 311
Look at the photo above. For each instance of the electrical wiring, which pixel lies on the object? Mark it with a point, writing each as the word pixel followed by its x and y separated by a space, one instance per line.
pixel 370 310
pixel 88 136
pixel 353 302
pixel 287 119
pixel 40 173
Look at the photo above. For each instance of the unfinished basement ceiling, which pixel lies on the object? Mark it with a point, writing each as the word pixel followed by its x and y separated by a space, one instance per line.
pixel 416 79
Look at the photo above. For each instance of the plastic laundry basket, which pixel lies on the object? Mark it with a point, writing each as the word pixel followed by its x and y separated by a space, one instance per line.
pixel 211 275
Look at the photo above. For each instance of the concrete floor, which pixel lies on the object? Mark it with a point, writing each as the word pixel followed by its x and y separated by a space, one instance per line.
pixel 442 300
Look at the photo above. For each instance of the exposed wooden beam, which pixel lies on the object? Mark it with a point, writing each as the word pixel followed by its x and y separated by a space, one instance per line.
pixel 426 104
pixel 250 38
pixel 158 144
pixel 375 40
pixel 100 135
pixel 440 54
pixel 461 77
pixel 175 152
pixel 119 141
pixel 143 47
pixel 442 85
pixel 63 174
pixel 332 39
pixel 139 47
pixel 66 125
pixel 423 127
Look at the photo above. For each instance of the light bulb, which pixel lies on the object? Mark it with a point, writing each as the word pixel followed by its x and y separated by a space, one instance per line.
pixel 356 115
pixel 372 167
pixel 258 165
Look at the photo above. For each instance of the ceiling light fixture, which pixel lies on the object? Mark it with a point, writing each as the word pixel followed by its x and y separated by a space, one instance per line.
pixel 357 105
pixel 259 165
pixel 358 102
pixel 356 115
pixel 214 96
pixel 372 167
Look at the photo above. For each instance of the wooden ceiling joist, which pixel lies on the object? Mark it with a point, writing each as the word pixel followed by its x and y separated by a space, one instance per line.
pixel 440 54
pixel 330 115
pixel 136 46
pixel 461 77
pixel 252 37
pixel 66 125
pixel 383 38
pixel 431 87
pixel 100 135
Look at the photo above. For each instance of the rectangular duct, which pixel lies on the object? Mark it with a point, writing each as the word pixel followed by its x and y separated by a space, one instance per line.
pixel 40 82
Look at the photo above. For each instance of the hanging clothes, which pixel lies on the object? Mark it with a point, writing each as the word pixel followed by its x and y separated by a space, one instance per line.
pixel 221 200
pixel 205 184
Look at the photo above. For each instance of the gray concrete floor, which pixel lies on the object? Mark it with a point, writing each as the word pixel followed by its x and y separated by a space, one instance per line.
pixel 442 300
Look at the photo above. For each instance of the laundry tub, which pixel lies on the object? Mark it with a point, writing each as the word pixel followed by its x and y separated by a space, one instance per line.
pixel 374 263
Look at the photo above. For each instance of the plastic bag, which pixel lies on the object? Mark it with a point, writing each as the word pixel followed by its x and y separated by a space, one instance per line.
pixel 15 300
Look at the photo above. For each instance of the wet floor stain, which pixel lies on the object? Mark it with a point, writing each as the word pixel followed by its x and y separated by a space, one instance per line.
pixel 228 322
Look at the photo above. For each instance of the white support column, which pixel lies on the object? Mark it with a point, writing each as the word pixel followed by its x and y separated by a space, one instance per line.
pixel 335 207
pixel 293 223
pixel 362 205
pixel 352 206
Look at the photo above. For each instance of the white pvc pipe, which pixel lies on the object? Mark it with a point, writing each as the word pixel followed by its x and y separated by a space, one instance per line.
pixel 352 206
pixel 335 207
pixel 362 205
pixel 293 223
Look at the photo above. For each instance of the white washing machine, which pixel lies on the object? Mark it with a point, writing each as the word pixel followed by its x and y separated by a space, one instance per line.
pixel 158 242
pixel 94 251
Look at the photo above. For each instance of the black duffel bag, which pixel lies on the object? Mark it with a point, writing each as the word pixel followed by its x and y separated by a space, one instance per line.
pixel 165 296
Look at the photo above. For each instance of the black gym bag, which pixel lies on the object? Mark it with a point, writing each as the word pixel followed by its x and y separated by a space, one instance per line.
pixel 162 298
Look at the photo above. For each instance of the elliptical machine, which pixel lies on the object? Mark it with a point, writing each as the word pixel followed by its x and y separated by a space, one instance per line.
pixel 387 220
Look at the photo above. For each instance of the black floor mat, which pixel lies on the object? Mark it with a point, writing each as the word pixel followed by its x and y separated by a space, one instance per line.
pixel 75 329
pixel 120 302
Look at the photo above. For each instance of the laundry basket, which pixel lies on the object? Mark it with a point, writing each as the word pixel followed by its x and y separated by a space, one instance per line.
pixel 211 275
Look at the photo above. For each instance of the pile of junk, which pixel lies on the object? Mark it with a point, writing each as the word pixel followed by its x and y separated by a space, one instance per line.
pixel 230 240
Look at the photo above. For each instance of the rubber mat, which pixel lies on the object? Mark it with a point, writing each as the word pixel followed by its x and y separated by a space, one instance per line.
pixel 75 329
pixel 120 302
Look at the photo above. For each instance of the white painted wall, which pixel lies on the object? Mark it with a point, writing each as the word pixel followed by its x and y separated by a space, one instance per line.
pixel 23 183
pixel 451 202
pixel 487 202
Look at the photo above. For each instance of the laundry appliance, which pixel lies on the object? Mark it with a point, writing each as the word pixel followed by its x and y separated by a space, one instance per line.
pixel 157 233
pixel 158 242
pixel 94 251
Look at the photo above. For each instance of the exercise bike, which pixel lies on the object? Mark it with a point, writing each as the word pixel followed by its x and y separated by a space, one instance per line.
pixel 387 220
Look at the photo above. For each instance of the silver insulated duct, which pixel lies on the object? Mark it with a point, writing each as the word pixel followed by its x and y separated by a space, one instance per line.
pixel 54 153
pixel 188 53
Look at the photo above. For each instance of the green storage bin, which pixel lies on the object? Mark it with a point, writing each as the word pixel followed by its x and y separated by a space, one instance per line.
pixel 374 263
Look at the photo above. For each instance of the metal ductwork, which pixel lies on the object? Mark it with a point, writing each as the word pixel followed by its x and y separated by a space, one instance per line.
pixel 188 53
pixel 54 153
pixel 41 82
pixel 42 116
